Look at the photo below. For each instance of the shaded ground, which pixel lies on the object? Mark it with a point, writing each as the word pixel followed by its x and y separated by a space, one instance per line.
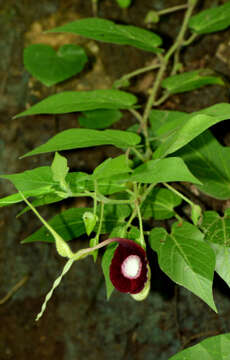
pixel 79 322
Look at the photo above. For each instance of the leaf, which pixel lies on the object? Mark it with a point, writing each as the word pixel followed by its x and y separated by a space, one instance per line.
pixel 51 67
pixel 124 3
pixel 163 170
pixel 112 166
pixel 79 182
pixel 90 220
pixel 194 125
pixel 16 198
pixel 211 20
pixel 99 119
pixel 163 122
pixel 59 168
pixel 69 224
pixel 186 258
pixel 107 31
pixel 209 160
pixel 160 204
pixel 213 348
pixel 71 101
pixel 217 233
pixel 114 216
pixel 196 213
pixel 105 263
pixel 190 80
pixel 29 180
pixel 80 138
pixel 45 199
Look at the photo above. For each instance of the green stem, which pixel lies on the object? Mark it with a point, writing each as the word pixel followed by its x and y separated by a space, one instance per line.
pixel 95 198
pixel 147 192
pixel 153 94
pixel 51 230
pixel 179 194
pixel 139 71
pixel 100 223
pixel 139 155
pixel 136 114
pixel 142 239
pixel 95 7
pixel 172 9
pixel 132 217
pixel 162 99
pixel 190 40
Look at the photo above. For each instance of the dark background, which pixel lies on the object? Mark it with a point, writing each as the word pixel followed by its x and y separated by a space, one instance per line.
pixel 79 323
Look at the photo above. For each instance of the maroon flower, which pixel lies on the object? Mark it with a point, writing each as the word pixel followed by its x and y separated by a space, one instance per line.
pixel 129 267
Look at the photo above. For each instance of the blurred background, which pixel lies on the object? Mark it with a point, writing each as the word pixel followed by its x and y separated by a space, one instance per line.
pixel 79 323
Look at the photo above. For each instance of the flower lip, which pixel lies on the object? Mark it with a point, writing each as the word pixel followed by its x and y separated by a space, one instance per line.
pixel 128 269
pixel 131 267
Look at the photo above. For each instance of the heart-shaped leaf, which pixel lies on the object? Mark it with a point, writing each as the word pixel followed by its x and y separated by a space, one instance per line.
pixel 217 232
pixel 214 348
pixel 69 224
pixel 160 204
pixel 51 67
pixel 186 258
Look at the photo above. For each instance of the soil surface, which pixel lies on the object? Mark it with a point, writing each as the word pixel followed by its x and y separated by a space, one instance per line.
pixel 79 322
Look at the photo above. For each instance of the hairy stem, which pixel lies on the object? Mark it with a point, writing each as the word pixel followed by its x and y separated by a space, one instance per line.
pixel 172 9
pixel 164 63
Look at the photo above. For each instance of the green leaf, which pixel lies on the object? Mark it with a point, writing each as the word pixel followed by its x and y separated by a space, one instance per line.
pixel 71 101
pixel 114 216
pixel 107 31
pixel 69 224
pixel 196 212
pixel 59 168
pixel 217 233
pixel 31 180
pixel 111 167
pixel 213 348
pixel 124 3
pixel 186 258
pixel 163 170
pixel 211 20
pixel 90 221
pixel 209 160
pixel 80 138
pixel 99 119
pixel 160 204
pixel 79 182
pixel 16 198
pixel 190 80
pixel 194 125
pixel 163 122
pixel 105 263
pixel 45 199
pixel 51 67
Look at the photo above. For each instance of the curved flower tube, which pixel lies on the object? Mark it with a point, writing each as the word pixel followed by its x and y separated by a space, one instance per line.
pixel 129 267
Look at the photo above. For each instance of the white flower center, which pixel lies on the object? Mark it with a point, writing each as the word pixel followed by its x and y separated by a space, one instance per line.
pixel 131 267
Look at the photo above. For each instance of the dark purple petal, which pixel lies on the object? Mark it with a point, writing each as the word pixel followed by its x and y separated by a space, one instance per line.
pixel 123 279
